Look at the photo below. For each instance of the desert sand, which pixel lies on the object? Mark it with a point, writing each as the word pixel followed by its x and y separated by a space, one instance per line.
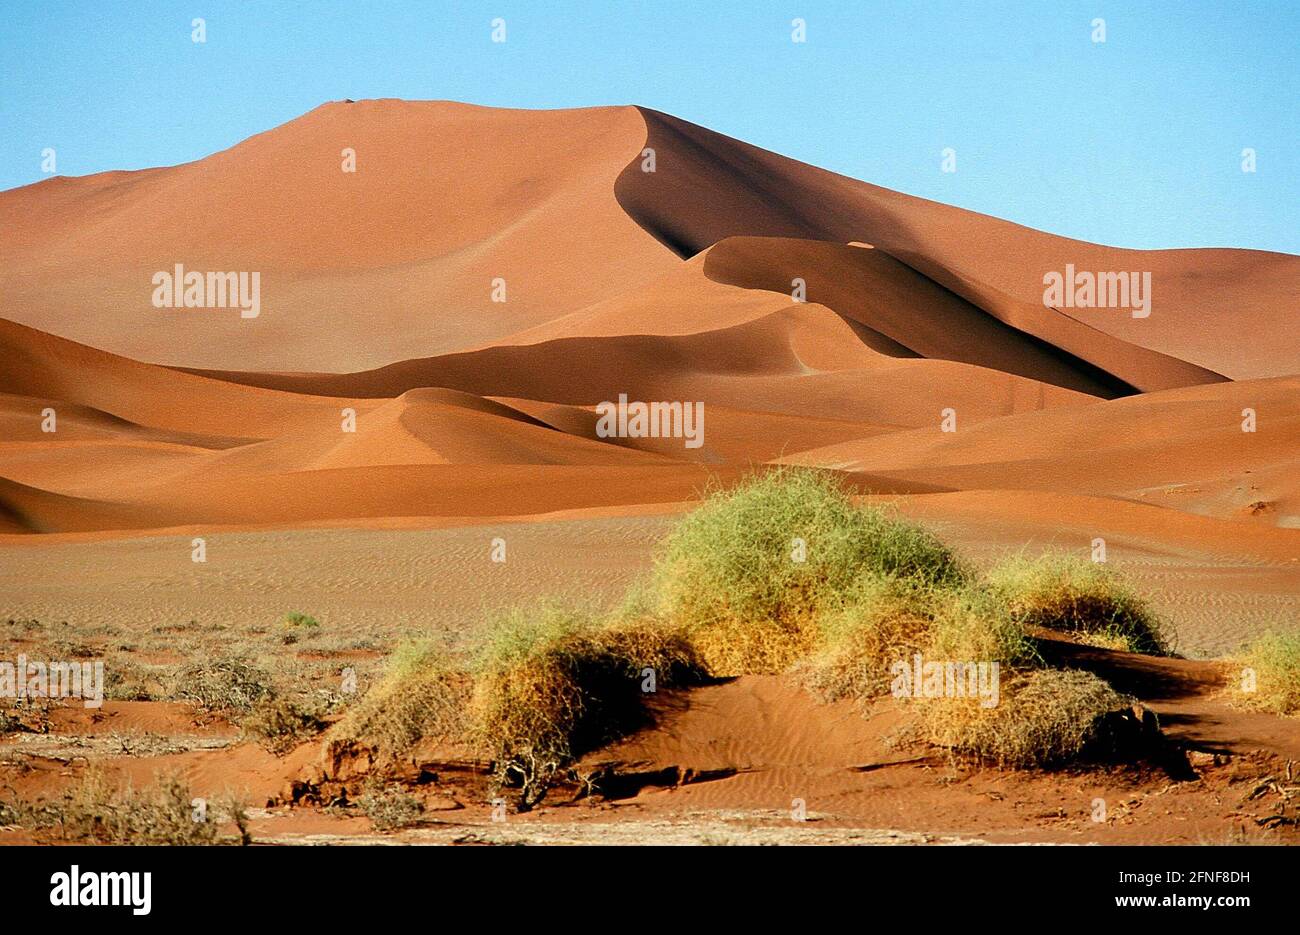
pixel 476 418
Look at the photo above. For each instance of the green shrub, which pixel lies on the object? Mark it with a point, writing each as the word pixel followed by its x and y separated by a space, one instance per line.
pixel 421 696
pixel 728 573
pixel 1079 598
pixel 552 684
pixel 972 625
pixel 299 621
pixel 878 621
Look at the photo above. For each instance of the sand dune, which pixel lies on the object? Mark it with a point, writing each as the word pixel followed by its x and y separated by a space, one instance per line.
pixel 48 369
pixel 279 455
pixel 708 187
pixel 1183 449
pixel 397 259
pixel 681 284
pixel 358 269
pixel 800 360
pixel 901 312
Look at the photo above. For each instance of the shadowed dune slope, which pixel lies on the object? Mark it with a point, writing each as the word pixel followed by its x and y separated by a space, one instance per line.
pixel 897 310
pixel 801 360
pixel 708 187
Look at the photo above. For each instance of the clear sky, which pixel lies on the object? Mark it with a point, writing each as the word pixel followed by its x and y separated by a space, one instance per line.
pixel 1135 142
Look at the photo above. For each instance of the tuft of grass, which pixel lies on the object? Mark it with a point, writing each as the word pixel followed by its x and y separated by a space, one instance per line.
pixel 729 572
pixel 227 685
pixel 1080 598
pixel 1045 717
pixel 283 723
pixel 96 810
pixel 295 620
pixel 876 622
pixel 421 696
pixel 552 684
pixel 1270 675
pixel 880 622
pixel 294 625
pixel 972 625
pixel 548 685
pixel 390 809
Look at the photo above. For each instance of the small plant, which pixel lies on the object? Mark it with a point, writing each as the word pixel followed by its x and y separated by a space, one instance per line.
pixel 881 622
pixel 878 621
pixel 390 809
pixel 127 681
pixel 295 625
pixel 1269 677
pixel 1079 598
pixel 422 696
pixel 224 685
pixel 1045 717
pixel 283 723
pixel 296 620
pixel 971 625
pixel 553 684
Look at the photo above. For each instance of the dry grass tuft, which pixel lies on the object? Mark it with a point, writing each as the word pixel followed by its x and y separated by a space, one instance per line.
pixel 880 622
pixel 1269 679
pixel 1079 598
pixel 1045 717
pixel 97 810
pixel 971 625
pixel 283 723
pixel 227 685
pixel 390 809
pixel 877 622
pixel 422 696
pixel 553 684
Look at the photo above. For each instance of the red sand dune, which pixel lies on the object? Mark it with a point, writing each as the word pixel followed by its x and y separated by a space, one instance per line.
pixel 1180 448
pixel 358 269
pixel 708 187
pixel 673 285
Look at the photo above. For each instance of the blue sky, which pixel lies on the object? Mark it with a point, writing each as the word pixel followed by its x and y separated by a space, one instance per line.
pixel 1135 142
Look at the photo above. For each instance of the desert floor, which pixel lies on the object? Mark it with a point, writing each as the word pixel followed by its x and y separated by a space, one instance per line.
pixel 725 771
pixel 373 586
